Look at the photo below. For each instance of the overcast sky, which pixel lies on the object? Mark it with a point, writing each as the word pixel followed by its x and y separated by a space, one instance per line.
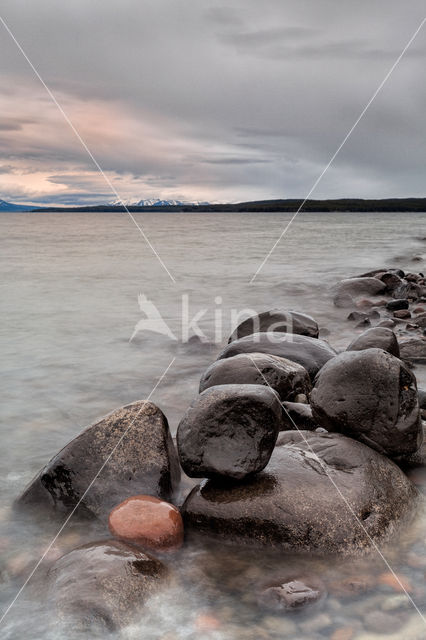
pixel 207 100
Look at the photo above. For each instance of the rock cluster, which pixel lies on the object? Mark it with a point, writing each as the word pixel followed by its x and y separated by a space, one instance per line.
pixel 296 446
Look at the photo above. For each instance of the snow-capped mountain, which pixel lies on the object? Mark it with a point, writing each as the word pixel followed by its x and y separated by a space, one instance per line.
pixel 154 202
pixel 9 206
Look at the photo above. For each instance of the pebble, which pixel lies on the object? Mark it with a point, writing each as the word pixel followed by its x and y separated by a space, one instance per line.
pixel 402 314
pixel 398 583
pixel 321 621
pixel 281 625
pixel 393 603
pixel 381 622
pixel 149 522
pixel 206 622
pixel 343 633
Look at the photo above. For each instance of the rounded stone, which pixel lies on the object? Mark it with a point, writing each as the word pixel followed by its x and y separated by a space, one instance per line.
pixel 396 305
pixel 277 320
pixel 287 378
pixel 371 396
pixel 311 353
pixel 292 505
pixel 148 522
pixel 104 584
pixel 376 337
pixel 229 431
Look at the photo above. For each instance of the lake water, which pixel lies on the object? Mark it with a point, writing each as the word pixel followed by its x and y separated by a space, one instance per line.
pixel 70 286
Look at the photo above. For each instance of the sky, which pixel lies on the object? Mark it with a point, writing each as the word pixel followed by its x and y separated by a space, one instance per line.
pixel 212 101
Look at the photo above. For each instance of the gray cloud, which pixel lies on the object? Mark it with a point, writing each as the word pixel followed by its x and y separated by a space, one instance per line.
pixel 213 101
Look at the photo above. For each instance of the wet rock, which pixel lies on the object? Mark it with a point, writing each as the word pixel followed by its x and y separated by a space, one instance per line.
pixel 413 349
pixel 381 622
pixel 421 320
pixel 351 586
pixel 143 462
pixel 229 431
pixel 387 322
pixel 104 584
pixel 343 301
pixel 357 316
pixel 374 273
pixel 397 582
pixel 148 522
pixel 379 337
pixel 291 593
pixel 311 353
pixel 291 504
pixel 402 313
pixel 363 323
pixel 357 286
pixel 395 305
pixel 317 623
pixel 287 378
pixel 409 290
pixel 422 398
pixel 371 396
pixel 297 415
pixel 391 280
pixel 277 320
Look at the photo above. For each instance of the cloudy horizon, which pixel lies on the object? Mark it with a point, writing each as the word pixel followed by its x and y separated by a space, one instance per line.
pixel 202 101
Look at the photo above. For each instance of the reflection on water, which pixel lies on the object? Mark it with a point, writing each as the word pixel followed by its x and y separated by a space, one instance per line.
pixel 70 304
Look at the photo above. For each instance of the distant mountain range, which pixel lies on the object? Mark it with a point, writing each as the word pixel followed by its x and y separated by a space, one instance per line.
pixel 9 206
pixel 155 202
pixel 291 205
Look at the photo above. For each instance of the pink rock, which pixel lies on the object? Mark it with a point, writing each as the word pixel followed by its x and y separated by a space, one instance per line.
pixel 148 522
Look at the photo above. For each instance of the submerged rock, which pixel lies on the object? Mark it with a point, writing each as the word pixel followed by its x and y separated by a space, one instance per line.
pixel 287 378
pixel 311 353
pixel 144 461
pixel 148 522
pixel 229 430
pixel 104 584
pixel 292 593
pixel 277 320
pixel 372 396
pixel 293 505
pixel 376 337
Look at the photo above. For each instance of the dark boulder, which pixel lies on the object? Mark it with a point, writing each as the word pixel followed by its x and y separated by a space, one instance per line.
pixel 409 290
pixel 104 584
pixel 293 505
pixel 376 337
pixel 287 378
pixel 311 353
pixel 292 593
pixel 371 396
pixel 298 416
pixel 396 305
pixel 420 320
pixel 144 462
pixel 277 320
pixel 229 431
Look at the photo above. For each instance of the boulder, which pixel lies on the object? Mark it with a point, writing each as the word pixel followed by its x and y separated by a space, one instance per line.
pixel 413 349
pixel 148 522
pixel 354 287
pixel 420 320
pixel 277 320
pixel 287 378
pixel 311 353
pixel 409 290
pixel 371 396
pixel 144 462
pixel 298 416
pixel 292 505
pixel 229 431
pixel 376 337
pixel 104 584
